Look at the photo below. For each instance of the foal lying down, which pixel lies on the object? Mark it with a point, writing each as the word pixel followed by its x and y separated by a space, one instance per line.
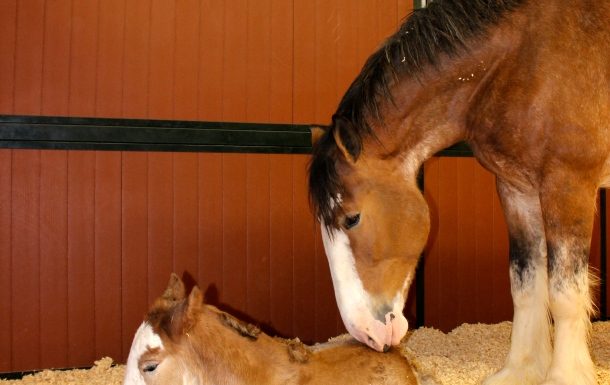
pixel 184 341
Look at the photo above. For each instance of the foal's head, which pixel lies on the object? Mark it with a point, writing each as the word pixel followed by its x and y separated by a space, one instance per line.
pixel 160 352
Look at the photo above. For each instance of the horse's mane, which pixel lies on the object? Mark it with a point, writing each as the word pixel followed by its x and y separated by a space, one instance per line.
pixel 443 28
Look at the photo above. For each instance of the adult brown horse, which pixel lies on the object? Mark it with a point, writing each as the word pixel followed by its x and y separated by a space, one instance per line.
pixel 526 83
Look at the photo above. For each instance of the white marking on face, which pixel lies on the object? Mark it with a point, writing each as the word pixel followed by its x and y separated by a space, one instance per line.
pixel 349 290
pixel 354 302
pixel 144 339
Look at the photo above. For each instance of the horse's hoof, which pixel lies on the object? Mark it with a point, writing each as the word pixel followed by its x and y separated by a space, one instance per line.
pixel 578 379
pixel 511 376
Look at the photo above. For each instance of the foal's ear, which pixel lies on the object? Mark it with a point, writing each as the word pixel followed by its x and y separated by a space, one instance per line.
pixel 194 305
pixel 175 289
pixel 316 134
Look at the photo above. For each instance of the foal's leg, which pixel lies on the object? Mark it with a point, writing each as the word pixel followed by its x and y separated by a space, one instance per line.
pixel 530 351
pixel 569 209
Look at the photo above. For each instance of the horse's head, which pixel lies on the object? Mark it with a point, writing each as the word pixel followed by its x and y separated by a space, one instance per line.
pixel 153 355
pixel 375 223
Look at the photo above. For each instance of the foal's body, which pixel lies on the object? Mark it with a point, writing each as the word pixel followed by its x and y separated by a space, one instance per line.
pixel 531 96
pixel 184 341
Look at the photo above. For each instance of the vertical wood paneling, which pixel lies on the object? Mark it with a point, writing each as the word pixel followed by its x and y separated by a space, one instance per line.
pixel 326 89
pixel 447 237
pixel 257 237
pixel 484 186
pixel 56 58
pixel 160 221
pixel 110 49
pixel 210 175
pixel 282 46
pixel 135 58
pixel 185 215
pixel 161 59
pixel 234 66
pixel 466 262
pixel 348 62
pixel 304 87
pixel 233 292
pixel 134 227
pixel 83 58
pixel 186 60
pixel 6 271
pixel 28 57
pixel 8 27
pixel 107 235
pixel 81 257
pixel 258 61
pixel 25 263
pixel 211 60
pixel 304 229
pixel 281 258
pixel 464 275
pixel 54 253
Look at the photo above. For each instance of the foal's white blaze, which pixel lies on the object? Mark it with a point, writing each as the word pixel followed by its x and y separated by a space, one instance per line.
pixel 354 302
pixel 144 339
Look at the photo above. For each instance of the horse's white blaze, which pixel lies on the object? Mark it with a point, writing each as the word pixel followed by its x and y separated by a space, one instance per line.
pixel 354 302
pixel 144 339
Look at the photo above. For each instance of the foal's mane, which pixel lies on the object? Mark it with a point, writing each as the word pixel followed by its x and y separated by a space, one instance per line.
pixel 443 28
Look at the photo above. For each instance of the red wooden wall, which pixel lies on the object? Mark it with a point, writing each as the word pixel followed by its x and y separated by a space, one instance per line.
pixel 88 238
pixel 466 262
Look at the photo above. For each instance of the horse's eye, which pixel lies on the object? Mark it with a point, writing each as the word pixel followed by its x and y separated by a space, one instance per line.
pixel 351 221
pixel 150 367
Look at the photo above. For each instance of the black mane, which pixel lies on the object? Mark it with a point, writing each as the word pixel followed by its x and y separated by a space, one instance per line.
pixel 443 28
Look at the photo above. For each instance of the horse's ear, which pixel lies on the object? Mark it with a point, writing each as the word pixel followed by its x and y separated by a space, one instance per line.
pixel 175 289
pixel 316 134
pixel 194 305
pixel 349 147
pixel 346 138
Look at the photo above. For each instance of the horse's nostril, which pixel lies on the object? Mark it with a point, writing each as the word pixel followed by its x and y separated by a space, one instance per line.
pixel 392 316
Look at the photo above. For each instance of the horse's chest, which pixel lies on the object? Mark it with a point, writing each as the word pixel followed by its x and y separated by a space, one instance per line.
pixel 506 164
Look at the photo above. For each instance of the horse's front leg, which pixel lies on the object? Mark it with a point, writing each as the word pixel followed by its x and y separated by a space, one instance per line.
pixel 569 209
pixel 530 351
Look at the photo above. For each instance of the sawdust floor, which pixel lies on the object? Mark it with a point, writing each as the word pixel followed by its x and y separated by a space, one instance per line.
pixel 464 356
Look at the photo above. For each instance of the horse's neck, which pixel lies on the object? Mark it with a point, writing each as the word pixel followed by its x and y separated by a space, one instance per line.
pixel 434 106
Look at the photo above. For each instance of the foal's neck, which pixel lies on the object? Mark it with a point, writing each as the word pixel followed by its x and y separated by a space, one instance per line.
pixel 244 360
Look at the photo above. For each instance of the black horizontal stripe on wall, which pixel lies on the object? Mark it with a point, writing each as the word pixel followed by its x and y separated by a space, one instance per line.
pixel 43 132
pixel 69 133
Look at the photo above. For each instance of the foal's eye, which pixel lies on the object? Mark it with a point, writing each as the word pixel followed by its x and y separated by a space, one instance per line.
pixel 151 367
pixel 351 221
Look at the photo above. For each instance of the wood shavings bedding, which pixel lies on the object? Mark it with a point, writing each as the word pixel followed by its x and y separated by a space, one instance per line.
pixel 464 356
pixel 470 353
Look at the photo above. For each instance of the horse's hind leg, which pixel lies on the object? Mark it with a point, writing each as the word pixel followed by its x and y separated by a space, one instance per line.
pixel 569 208
pixel 530 352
